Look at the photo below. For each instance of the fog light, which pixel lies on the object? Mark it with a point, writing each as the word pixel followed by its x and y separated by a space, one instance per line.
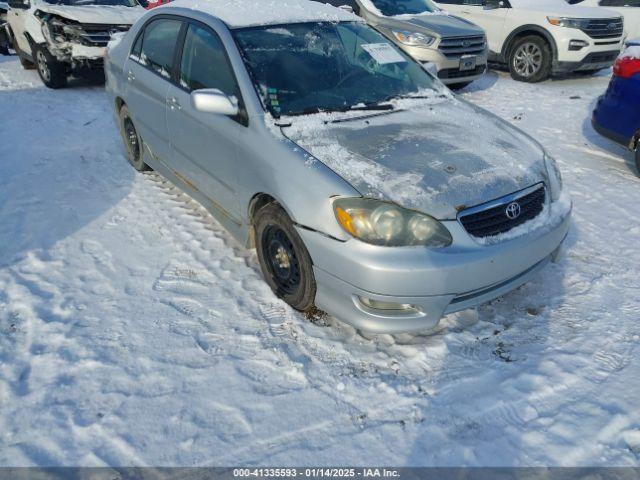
pixel 575 45
pixel 387 306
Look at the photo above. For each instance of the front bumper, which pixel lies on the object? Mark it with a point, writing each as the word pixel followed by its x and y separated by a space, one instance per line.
pixel 448 67
pixel 435 282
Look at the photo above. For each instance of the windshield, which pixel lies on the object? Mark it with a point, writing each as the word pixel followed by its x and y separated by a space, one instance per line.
pixel 82 3
pixel 389 8
pixel 310 67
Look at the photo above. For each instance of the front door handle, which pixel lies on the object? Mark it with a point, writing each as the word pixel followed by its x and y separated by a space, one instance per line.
pixel 174 104
pixel 130 76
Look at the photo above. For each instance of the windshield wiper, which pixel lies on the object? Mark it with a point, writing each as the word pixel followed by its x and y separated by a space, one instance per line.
pixel 372 106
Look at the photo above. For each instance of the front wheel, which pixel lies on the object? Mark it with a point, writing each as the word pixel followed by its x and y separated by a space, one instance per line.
pixel 53 73
pixel 530 59
pixel 284 259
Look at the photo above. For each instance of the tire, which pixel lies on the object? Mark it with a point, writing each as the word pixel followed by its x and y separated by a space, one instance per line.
pixel 459 86
pixel 284 260
pixel 133 145
pixel 530 59
pixel 52 72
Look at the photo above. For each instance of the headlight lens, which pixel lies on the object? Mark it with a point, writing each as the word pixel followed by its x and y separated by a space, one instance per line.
pixel 554 176
pixel 413 39
pixel 569 22
pixel 383 223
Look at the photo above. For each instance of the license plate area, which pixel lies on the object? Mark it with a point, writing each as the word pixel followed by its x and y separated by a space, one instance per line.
pixel 468 62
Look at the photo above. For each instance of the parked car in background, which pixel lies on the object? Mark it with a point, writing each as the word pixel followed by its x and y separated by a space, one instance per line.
pixel 629 9
pixel 4 37
pixel 69 36
pixel 153 3
pixel 538 38
pixel 617 114
pixel 367 189
pixel 456 48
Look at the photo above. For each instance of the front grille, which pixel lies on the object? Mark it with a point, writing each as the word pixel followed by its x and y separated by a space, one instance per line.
pixel 453 47
pixel 601 57
pixel 604 28
pixel 457 73
pixel 494 220
pixel 99 35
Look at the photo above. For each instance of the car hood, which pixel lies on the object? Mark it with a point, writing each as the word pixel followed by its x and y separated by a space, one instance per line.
pixel 436 156
pixel 96 14
pixel 443 25
pixel 562 9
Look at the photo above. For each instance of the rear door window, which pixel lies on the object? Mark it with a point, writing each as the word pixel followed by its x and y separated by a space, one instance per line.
pixel 159 41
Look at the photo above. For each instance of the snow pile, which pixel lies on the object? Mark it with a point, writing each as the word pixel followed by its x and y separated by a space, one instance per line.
pixel 245 13
pixel 631 52
pixel 135 331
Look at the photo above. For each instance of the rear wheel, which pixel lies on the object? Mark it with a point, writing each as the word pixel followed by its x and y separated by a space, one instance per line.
pixel 132 142
pixel 284 259
pixel 530 59
pixel 52 72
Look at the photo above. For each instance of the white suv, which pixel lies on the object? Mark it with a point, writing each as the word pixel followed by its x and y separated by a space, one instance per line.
pixel 66 36
pixel 537 38
pixel 629 9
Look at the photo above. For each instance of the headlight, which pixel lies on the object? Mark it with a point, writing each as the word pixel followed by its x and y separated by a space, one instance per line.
pixel 580 23
pixel 413 39
pixel 383 223
pixel 554 176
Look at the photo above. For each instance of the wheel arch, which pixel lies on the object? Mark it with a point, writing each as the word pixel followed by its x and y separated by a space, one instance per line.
pixel 526 30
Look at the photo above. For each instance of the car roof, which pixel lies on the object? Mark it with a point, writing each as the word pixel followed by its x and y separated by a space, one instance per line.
pixel 249 13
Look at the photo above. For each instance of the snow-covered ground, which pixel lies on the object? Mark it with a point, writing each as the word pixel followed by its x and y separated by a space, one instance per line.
pixel 134 331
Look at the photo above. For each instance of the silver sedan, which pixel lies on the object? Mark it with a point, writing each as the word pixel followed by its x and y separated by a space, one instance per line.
pixel 367 188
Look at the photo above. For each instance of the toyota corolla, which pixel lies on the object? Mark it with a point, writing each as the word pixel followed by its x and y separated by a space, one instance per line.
pixel 367 188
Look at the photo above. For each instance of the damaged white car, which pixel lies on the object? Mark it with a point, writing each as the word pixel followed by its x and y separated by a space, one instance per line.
pixel 62 37
pixel 4 38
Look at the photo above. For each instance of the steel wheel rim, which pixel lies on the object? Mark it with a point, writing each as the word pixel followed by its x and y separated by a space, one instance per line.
pixel 281 259
pixel 130 137
pixel 527 60
pixel 42 66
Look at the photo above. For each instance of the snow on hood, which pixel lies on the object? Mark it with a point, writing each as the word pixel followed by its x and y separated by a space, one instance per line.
pixel 99 14
pixel 561 8
pixel 444 25
pixel 436 156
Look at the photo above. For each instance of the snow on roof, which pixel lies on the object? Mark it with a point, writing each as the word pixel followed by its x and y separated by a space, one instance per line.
pixel 632 52
pixel 246 13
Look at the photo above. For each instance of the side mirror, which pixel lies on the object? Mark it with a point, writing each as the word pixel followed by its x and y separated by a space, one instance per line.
pixel 347 8
pixel 212 100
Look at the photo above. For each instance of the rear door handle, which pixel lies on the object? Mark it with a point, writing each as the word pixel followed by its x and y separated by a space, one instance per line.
pixel 130 76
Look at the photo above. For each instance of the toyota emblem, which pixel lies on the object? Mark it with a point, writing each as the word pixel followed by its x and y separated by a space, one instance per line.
pixel 612 26
pixel 513 210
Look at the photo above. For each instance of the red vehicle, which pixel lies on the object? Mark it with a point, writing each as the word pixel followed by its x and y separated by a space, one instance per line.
pixel 153 3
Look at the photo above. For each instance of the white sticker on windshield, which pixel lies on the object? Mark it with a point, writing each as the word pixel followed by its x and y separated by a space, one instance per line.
pixel 383 53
